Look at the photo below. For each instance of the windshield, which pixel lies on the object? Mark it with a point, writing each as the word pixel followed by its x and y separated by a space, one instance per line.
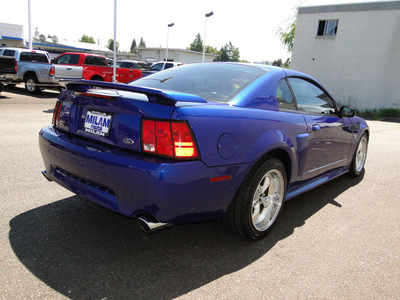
pixel 211 81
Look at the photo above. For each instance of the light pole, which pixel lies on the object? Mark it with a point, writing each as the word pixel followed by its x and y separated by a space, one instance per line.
pixel 115 43
pixel 205 28
pixel 30 25
pixel 166 51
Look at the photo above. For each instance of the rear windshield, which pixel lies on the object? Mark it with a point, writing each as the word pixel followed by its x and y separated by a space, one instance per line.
pixel 33 57
pixel 211 81
pixel 9 52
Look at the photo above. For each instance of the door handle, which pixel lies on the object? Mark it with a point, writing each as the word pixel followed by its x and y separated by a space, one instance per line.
pixel 316 127
pixel 69 69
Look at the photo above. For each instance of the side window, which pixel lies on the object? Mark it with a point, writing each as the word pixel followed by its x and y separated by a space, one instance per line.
pixel 128 65
pixel 89 60
pixel 284 96
pixel 168 65
pixel 157 67
pixel 311 98
pixel 69 59
pixel 100 61
pixel 142 67
pixel 74 59
pixel 63 59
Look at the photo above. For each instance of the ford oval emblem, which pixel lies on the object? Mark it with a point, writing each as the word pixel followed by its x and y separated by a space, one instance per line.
pixel 128 141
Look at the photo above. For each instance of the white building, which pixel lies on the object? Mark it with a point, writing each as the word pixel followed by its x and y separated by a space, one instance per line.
pixel 181 55
pixel 11 35
pixel 353 50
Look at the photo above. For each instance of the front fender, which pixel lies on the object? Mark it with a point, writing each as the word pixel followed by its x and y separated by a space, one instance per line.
pixel 361 128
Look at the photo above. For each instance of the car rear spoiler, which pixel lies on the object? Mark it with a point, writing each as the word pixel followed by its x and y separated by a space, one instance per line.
pixel 154 95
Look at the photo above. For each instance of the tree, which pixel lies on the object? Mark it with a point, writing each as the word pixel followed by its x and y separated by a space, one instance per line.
pixel 287 64
pixel 277 63
pixel 110 45
pixel 197 44
pixel 287 36
pixel 133 46
pixel 142 43
pixel 212 50
pixel 87 39
pixel 229 53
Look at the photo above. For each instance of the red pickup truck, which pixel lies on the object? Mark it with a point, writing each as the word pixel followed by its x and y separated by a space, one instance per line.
pixel 95 67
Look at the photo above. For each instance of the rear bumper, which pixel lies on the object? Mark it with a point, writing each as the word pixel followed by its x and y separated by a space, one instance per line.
pixel 134 185
pixel 12 77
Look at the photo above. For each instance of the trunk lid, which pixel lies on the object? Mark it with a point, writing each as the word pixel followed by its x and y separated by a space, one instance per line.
pixel 112 113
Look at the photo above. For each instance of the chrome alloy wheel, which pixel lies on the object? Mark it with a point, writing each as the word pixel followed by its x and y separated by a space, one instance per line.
pixel 31 85
pixel 361 153
pixel 267 200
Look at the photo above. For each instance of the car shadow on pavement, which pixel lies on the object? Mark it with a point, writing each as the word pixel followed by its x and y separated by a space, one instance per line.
pixel 84 251
pixel 20 90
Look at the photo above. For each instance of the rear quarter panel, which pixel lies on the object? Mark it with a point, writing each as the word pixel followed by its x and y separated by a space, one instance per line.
pixel 90 71
pixel 229 135
pixel 41 70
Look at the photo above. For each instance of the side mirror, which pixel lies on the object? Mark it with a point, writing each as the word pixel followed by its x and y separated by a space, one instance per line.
pixel 53 61
pixel 347 112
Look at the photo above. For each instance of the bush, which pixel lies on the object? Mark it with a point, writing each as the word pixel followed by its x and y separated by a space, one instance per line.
pixel 377 114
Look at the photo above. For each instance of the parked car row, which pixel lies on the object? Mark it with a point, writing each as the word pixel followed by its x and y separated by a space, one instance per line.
pixel 38 71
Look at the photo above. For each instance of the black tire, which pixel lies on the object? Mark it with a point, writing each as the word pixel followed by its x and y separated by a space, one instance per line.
pixel 31 84
pixel 256 198
pixel 359 157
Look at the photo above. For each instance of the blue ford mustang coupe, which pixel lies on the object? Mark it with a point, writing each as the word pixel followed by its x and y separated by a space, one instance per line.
pixel 202 142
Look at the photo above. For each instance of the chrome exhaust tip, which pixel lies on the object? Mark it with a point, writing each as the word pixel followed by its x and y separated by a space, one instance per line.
pixel 150 225
pixel 45 175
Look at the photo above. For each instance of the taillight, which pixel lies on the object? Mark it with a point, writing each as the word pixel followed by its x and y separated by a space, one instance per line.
pixel 56 113
pixel 52 71
pixel 172 139
pixel 183 140
pixel 15 65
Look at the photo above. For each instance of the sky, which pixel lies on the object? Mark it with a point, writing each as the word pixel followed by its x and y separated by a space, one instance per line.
pixel 250 25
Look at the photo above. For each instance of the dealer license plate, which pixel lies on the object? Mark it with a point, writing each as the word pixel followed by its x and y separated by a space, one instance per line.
pixel 98 123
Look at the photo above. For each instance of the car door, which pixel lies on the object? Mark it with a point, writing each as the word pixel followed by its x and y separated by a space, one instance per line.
pixel 65 69
pixel 124 71
pixel 329 136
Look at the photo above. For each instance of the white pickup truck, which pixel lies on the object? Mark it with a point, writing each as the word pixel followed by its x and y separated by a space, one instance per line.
pixel 34 68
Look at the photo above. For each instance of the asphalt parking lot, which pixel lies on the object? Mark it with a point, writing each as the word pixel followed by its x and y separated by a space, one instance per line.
pixel 339 241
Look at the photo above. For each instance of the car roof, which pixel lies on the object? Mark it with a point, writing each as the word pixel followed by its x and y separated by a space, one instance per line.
pixel 23 49
pixel 171 62
pixel 128 60
pixel 86 54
